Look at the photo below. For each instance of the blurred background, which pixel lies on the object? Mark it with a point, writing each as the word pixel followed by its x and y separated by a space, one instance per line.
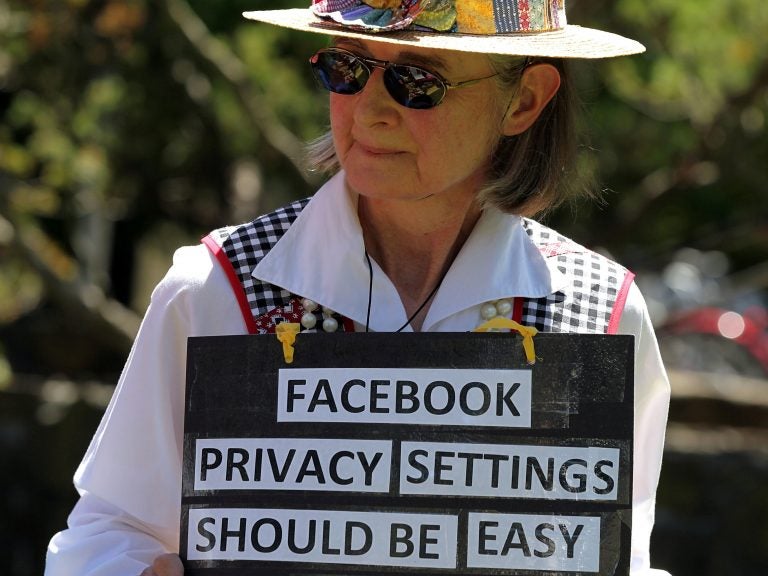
pixel 131 127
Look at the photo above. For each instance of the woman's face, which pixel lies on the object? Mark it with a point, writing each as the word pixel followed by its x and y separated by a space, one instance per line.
pixel 389 151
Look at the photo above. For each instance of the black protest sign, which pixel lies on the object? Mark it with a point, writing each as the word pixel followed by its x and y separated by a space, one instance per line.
pixel 384 453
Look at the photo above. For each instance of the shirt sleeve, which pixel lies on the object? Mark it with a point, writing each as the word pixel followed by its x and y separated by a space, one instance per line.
pixel 129 480
pixel 652 394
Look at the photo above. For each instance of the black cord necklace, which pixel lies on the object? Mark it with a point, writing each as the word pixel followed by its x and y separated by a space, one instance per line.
pixel 370 296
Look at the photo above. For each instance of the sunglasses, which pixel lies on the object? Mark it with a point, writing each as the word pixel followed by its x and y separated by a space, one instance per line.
pixel 343 72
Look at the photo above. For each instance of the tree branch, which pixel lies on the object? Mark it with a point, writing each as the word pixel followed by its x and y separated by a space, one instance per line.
pixel 115 324
pixel 228 66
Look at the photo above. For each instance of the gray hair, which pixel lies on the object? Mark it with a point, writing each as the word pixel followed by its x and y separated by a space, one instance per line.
pixel 531 173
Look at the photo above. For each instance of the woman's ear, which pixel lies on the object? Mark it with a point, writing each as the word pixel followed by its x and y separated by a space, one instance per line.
pixel 538 86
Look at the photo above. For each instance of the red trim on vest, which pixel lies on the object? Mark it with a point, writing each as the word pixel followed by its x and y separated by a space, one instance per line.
pixel 517 310
pixel 349 325
pixel 618 307
pixel 234 281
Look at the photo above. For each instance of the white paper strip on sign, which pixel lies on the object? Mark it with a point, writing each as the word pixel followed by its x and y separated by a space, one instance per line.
pixel 338 465
pixel 323 536
pixel 509 471
pixel 460 397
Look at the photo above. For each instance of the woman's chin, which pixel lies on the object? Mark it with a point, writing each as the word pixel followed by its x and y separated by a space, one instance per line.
pixel 383 185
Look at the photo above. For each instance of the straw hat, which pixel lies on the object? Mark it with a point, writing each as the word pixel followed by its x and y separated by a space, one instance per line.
pixel 512 27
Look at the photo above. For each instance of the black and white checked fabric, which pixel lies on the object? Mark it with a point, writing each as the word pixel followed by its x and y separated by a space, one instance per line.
pixel 247 244
pixel 594 286
pixel 584 307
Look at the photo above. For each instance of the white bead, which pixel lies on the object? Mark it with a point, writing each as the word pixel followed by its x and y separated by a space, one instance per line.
pixel 327 311
pixel 488 311
pixel 308 305
pixel 330 325
pixel 308 320
pixel 503 307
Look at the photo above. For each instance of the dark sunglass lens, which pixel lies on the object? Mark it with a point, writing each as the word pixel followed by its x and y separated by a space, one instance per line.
pixel 338 72
pixel 413 87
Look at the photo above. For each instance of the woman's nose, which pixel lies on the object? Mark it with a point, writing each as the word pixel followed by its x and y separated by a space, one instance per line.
pixel 374 104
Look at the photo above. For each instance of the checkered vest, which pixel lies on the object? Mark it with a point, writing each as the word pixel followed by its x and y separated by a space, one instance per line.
pixel 596 294
pixel 592 303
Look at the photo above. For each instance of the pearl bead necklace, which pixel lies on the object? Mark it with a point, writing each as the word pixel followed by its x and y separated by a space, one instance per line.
pixel 309 319
pixel 490 310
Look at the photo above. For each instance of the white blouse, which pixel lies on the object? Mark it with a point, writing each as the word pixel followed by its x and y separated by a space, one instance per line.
pixel 130 478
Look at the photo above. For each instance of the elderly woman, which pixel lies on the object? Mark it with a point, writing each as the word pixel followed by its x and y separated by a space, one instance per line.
pixel 451 127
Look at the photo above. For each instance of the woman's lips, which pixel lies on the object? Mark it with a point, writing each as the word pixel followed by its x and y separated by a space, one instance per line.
pixel 376 150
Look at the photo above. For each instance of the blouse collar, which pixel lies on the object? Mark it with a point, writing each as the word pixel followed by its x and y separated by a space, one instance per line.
pixel 322 257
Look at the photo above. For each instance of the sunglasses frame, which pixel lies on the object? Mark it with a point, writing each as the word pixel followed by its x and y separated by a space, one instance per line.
pixel 391 67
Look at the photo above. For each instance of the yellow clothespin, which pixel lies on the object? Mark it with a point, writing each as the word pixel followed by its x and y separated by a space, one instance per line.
pixel 527 332
pixel 286 333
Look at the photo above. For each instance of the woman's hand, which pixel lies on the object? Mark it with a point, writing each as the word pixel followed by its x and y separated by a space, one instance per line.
pixel 165 565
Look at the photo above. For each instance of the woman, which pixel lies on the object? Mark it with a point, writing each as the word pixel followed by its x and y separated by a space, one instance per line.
pixel 451 123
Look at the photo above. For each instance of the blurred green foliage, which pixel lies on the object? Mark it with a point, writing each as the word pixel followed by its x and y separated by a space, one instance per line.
pixel 681 130
pixel 128 127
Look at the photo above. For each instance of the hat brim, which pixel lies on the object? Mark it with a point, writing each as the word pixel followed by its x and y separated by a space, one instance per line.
pixel 570 42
